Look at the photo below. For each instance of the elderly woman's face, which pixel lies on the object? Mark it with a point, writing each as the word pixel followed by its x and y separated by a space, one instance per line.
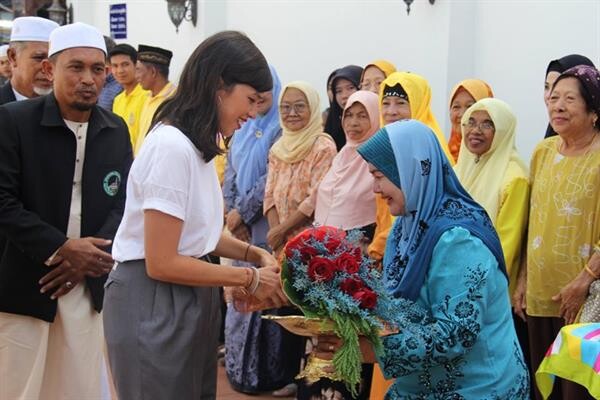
pixel 394 109
pixel 356 122
pixel 391 193
pixel 479 132
pixel 461 101
pixel 550 79
pixel 294 109
pixel 567 109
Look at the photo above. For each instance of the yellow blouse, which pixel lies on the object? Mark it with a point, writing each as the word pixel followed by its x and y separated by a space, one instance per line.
pixel 384 221
pixel 511 225
pixel 564 222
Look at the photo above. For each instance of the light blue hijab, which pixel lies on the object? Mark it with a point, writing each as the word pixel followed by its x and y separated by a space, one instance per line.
pixel 435 202
pixel 249 148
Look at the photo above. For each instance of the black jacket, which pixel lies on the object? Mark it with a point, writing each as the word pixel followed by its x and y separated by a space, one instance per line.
pixel 6 94
pixel 37 163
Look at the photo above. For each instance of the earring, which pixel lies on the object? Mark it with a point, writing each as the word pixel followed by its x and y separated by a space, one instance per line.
pixel 220 100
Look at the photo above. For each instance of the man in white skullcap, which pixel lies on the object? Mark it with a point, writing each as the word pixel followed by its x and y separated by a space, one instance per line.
pixel 59 223
pixel 28 47
pixel 5 70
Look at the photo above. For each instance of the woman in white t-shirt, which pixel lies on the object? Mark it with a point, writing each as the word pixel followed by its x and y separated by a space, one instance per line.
pixel 161 306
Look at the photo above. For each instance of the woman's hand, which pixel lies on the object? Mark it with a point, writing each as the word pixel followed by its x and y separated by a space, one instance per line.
pixel 519 301
pixel 276 236
pixel 327 345
pixel 233 220
pixel 572 297
pixel 269 292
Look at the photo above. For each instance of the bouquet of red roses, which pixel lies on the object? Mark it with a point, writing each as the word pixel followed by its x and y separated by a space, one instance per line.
pixel 326 275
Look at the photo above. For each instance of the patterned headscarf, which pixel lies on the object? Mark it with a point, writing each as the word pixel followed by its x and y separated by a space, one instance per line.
pixel 419 97
pixel 435 202
pixel 590 80
pixel 560 65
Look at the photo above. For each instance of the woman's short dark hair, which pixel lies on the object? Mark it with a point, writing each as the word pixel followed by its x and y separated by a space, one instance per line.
pixel 585 93
pixel 221 61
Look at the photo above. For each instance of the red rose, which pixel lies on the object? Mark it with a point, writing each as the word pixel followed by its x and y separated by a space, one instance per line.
pixel 347 262
pixel 335 237
pixel 351 286
pixel 301 241
pixel 321 269
pixel 366 297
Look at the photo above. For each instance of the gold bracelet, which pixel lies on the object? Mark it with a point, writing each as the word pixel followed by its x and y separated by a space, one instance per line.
pixel 592 273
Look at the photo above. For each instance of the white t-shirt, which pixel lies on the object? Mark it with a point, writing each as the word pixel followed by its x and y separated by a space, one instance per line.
pixel 170 175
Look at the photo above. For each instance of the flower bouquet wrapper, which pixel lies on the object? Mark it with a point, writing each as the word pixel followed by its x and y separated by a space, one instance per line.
pixel 325 274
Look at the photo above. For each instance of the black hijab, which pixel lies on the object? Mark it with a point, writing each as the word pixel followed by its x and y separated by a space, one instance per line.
pixel 561 65
pixel 333 125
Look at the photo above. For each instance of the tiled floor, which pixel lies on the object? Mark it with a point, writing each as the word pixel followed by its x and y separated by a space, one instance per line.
pixel 225 392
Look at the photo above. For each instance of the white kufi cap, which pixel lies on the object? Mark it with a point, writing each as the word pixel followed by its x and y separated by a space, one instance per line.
pixel 3 49
pixel 75 35
pixel 32 29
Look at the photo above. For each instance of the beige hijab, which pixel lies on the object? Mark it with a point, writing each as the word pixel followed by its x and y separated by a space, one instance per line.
pixel 292 147
pixel 485 179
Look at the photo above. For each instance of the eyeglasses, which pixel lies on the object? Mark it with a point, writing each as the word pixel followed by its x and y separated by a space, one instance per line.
pixel 367 85
pixel 483 126
pixel 299 108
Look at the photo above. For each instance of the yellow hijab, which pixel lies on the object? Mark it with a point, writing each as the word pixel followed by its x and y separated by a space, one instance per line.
pixel 292 147
pixel 486 178
pixel 478 89
pixel 419 98
pixel 385 66
pixel 475 87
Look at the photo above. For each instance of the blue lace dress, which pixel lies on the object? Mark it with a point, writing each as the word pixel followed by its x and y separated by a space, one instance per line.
pixel 457 340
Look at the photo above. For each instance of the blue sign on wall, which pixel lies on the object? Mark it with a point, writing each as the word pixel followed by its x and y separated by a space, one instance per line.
pixel 118 21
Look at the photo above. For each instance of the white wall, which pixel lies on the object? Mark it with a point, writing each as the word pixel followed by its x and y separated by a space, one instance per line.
pixel 508 43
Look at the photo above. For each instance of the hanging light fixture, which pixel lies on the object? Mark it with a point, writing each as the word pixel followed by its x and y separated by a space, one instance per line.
pixel 409 2
pixel 57 13
pixel 180 10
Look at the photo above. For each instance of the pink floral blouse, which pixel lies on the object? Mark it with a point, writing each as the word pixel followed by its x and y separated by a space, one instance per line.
pixel 292 187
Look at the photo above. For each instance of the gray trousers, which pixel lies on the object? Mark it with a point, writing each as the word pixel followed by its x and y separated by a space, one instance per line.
pixel 161 337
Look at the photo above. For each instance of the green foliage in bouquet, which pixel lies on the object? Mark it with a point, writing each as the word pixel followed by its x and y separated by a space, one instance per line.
pixel 325 274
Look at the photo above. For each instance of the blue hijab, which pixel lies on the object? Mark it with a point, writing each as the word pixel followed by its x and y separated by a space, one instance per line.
pixel 409 155
pixel 249 148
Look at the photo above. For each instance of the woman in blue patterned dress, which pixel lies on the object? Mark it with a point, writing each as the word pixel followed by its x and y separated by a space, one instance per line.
pixel 444 268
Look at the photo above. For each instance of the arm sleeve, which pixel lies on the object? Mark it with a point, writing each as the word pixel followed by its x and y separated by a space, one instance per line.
pixel 22 227
pixel 229 187
pixel 511 223
pixel 269 200
pixel 250 205
pixel 457 289
pixel 165 181
pixel 319 169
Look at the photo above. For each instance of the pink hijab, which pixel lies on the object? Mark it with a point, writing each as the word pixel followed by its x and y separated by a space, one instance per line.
pixel 345 197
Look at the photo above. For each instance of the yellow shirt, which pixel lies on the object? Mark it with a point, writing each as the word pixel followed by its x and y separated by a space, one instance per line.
pixel 221 161
pixel 129 107
pixel 511 225
pixel 564 222
pixel 384 221
pixel 149 108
